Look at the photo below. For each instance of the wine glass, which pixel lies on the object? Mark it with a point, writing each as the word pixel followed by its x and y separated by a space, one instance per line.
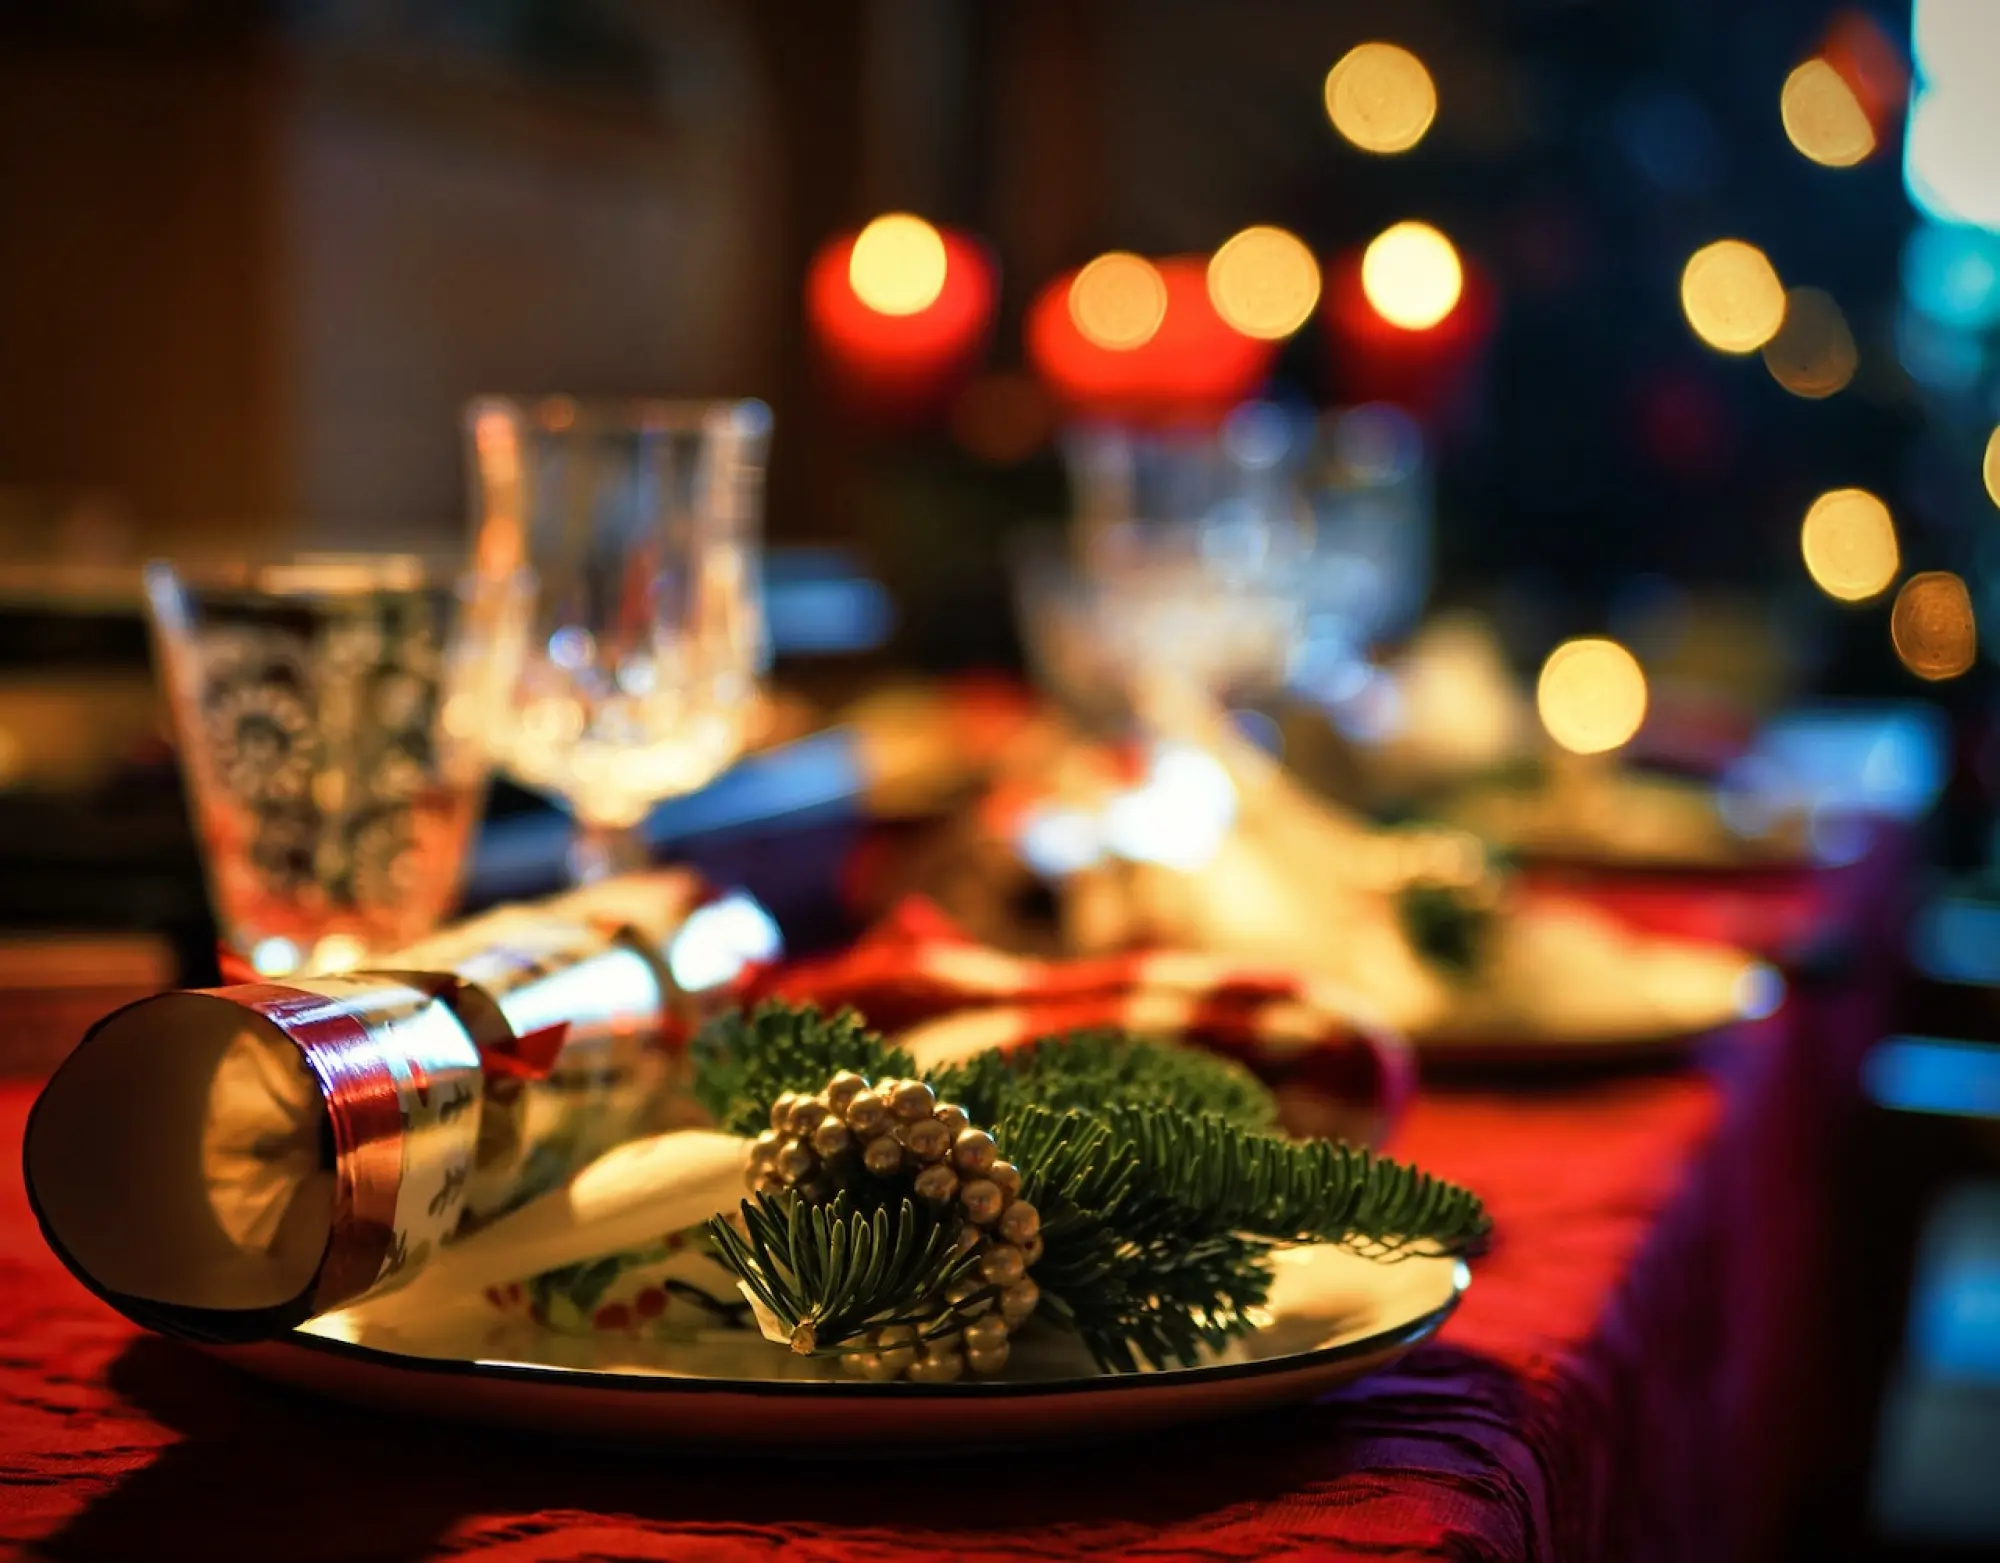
pixel 638 523
pixel 328 712
pixel 1176 585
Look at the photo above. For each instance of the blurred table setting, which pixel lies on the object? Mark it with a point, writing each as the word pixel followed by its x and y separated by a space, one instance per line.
pixel 1208 782
pixel 1245 800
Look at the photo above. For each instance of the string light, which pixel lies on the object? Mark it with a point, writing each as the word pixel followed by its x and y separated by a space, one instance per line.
pixel 1591 695
pixel 1823 118
pixel 1381 98
pixel 1991 467
pixel 898 265
pixel 1732 296
pixel 1932 626
pixel 1412 276
pixel 1813 354
pixel 1118 301
pixel 1849 543
pixel 1264 282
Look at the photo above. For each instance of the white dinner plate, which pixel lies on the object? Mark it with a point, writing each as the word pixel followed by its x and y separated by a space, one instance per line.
pixel 1333 1317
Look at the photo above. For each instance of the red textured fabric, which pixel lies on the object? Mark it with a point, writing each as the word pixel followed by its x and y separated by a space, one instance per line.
pixel 1623 1381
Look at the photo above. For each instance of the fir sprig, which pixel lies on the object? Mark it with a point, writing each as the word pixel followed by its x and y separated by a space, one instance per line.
pixel 1160 1195
pixel 744 1063
pixel 827 1272
pixel 1158 1224
pixel 1102 1068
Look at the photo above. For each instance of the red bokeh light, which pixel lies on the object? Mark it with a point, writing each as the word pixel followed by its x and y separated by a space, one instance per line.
pixel 902 366
pixel 1195 367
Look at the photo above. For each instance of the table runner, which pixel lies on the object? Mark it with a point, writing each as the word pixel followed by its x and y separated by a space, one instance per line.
pixel 1622 1381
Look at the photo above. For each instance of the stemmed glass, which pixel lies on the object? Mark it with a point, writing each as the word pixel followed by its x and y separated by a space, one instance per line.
pixel 638 524
pixel 329 711
pixel 1177 579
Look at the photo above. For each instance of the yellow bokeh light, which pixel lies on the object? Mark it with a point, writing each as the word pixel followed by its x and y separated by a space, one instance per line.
pixel 1118 301
pixel 1813 354
pixel 1932 625
pixel 1732 296
pixel 1264 282
pixel 1381 98
pixel 898 265
pixel 1823 118
pixel 1849 542
pixel 1412 276
pixel 1591 695
pixel 1991 467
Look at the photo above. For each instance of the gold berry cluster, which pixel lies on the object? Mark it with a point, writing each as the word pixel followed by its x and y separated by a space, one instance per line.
pixel 899 1127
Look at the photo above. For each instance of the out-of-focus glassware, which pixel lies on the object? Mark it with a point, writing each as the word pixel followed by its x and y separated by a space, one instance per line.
pixel 1337 504
pixel 330 714
pixel 1237 484
pixel 1123 622
pixel 1178 575
pixel 1367 571
pixel 639 523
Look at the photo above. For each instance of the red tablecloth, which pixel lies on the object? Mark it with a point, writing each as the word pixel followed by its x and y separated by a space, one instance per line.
pixel 1626 1379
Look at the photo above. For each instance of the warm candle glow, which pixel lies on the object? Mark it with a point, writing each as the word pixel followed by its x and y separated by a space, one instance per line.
pixel 1264 282
pixel 1412 276
pixel 898 265
pixel 1823 118
pixel 1118 301
pixel 1849 542
pixel 1189 363
pixel 1732 296
pixel 900 323
pixel 1591 695
pixel 1932 626
pixel 1381 98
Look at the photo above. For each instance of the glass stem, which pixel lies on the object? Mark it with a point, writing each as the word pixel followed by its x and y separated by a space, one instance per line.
pixel 601 851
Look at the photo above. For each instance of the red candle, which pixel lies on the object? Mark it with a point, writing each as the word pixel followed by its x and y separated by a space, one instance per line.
pixel 901 313
pixel 1405 320
pixel 1145 344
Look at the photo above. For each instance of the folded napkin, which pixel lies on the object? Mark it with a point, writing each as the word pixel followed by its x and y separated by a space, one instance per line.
pixel 1337 1071
pixel 1205 844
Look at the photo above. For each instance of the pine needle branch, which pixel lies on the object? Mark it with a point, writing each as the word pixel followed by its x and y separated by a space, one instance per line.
pixel 744 1063
pixel 1157 1225
pixel 829 1272
pixel 1103 1068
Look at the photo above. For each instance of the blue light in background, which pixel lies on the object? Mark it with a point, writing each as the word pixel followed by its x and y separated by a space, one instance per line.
pixel 1958 941
pixel 1932 1075
pixel 818 602
pixel 1951 274
pixel 1954 1329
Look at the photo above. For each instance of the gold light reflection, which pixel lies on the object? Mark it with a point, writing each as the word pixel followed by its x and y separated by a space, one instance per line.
pixel 1732 296
pixel 897 266
pixel 1412 276
pixel 1823 118
pixel 1591 695
pixel 1264 282
pixel 1932 625
pixel 1992 466
pixel 1813 353
pixel 1849 542
pixel 338 952
pixel 1118 301
pixel 1381 98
